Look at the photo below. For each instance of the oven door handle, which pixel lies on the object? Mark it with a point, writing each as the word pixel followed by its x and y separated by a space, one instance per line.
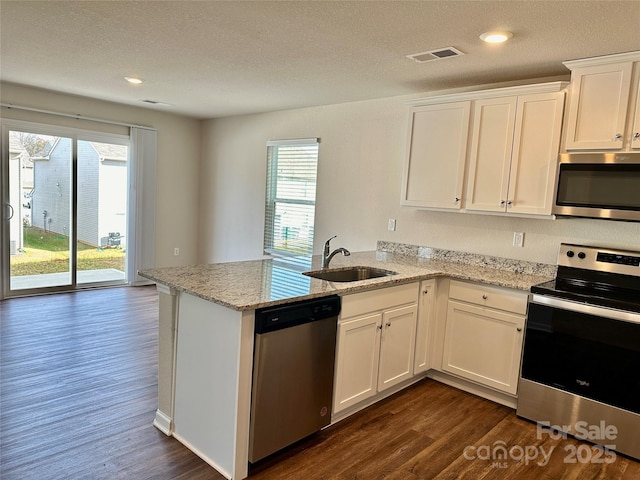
pixel 588 309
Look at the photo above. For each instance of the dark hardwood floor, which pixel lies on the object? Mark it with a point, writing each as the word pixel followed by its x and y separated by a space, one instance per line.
pixel 78 376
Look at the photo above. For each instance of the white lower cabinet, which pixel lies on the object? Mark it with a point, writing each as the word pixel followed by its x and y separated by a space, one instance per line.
pixel 397 346
pixel 357 357
pixel 484 332
pixel 376 343
pixel 424 329
pixel 466 334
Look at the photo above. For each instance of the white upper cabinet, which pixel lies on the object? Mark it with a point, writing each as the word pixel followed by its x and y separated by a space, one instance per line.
pixel 505 140
pixel 635 127
pixel 603 108
pixel 437 147
pixel 514 151
pixel 490 157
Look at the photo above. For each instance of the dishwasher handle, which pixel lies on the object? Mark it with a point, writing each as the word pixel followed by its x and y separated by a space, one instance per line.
pixel 275 318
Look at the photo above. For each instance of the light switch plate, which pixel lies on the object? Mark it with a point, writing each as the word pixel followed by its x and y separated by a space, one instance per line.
pixel 392 225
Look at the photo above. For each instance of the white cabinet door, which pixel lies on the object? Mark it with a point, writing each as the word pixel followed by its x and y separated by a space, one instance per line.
pixel 357 357
pixel 437 148
pixel 483 345
pixel 534 160
pixel 514 154
pixel 426 309
pixel 490 156
pixel 635 130
pixel 598 106
pixel 397 346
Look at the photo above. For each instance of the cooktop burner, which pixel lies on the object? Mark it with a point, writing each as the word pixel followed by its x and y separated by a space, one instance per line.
pixel 603 299
pixel 597 276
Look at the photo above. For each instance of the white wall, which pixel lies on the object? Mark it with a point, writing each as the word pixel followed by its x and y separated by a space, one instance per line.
pixel 178 158
pixel 361 155
pixel 362 150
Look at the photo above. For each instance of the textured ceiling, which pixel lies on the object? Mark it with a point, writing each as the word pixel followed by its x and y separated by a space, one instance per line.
pixel 218 58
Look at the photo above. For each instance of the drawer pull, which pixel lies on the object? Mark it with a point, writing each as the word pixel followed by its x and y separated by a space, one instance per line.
pixel 388 324
pixel 519 329
pixel 484 297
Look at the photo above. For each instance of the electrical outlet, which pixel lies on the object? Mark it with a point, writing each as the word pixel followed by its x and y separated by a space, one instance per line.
pixel 391 226
pixel 176 251
pixel 518 239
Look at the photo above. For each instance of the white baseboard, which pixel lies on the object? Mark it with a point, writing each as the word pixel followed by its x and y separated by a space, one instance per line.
pixel 470 387
pixel 163 423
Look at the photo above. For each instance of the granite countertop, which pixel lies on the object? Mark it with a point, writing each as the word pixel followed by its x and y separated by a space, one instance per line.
pixel 260 283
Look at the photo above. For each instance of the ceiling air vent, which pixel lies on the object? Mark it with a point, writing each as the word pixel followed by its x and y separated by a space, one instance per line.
pixel 154 102
pixel 439 54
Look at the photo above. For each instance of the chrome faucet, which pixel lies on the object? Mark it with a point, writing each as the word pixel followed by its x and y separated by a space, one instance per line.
pixel 326 256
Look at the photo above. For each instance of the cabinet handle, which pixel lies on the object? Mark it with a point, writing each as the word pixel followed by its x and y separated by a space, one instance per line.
pixel 509 203
pixel 379 327
pixel 519 329
pixel 388 324
pixel 457 199
pixel 425 292
pixel 502 202
pixel 618 136
pixel 636 135
pixel 484 297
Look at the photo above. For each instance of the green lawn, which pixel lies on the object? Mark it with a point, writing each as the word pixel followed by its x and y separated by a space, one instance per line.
pixel 46 252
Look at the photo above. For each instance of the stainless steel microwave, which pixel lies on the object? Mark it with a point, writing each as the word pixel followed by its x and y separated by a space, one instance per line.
pixel 599 185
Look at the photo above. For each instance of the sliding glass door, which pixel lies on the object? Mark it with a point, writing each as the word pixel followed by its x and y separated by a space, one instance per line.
pixel 101 241
pixel 66 214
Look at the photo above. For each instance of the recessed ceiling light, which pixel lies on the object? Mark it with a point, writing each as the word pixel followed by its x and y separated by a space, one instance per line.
pixel 496 37
pixel 133 80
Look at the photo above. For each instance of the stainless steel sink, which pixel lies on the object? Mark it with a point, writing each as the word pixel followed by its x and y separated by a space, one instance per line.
pixel 349 274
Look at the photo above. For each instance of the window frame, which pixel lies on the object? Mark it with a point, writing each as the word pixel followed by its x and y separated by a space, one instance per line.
pixel 272 200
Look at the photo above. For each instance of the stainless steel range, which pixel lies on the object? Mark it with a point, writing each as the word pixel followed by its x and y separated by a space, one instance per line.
pixel 581 360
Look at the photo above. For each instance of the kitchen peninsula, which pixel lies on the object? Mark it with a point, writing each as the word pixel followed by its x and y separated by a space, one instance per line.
pixel 206 330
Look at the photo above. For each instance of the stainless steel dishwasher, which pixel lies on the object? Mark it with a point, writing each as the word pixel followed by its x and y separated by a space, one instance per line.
pixel 292 373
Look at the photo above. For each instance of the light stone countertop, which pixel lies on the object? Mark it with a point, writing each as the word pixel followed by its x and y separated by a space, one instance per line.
pixel 260 283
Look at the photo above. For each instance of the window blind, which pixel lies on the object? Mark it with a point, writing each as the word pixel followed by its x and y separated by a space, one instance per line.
pixel 292 167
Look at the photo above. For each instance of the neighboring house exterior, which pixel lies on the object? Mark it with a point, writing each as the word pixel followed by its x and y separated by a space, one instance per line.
pixel 21 175
pixel 51 198
pixel 102 191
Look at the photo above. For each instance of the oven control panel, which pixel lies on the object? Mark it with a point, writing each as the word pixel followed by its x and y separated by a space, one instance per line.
pixel 619 259
pixel 599 259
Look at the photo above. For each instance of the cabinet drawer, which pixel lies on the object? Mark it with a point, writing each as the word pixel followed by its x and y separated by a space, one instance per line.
pixel 493 297
pixel 380 299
